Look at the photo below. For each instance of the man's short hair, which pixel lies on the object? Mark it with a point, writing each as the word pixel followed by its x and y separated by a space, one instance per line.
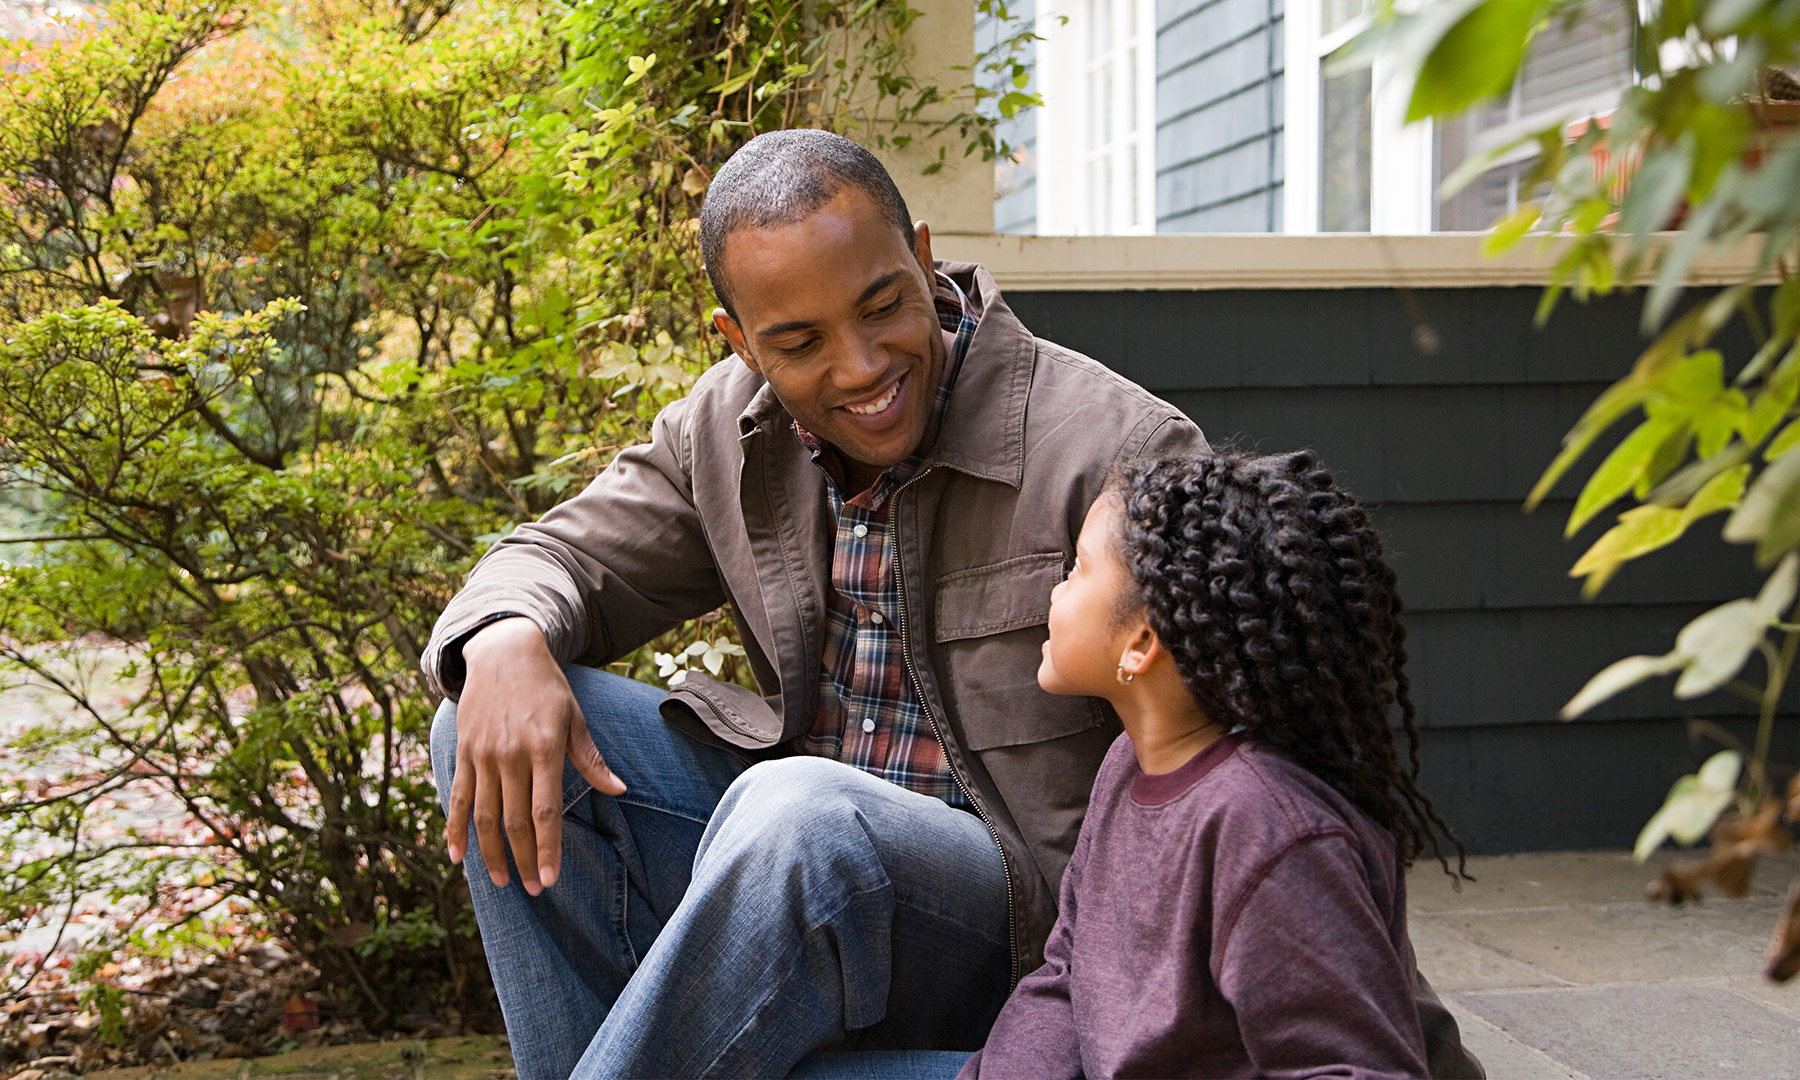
pixel 782 177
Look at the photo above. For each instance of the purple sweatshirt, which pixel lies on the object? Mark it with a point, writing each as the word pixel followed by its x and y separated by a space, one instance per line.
pixel 1236 917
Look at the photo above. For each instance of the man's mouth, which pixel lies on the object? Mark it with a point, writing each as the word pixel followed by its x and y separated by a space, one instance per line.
pixel 879 405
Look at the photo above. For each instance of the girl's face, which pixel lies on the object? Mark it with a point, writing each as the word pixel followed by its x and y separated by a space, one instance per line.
pixel 1086 638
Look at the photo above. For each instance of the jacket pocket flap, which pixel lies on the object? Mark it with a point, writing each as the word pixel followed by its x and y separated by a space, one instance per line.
pixel 995 598
pixel 738 716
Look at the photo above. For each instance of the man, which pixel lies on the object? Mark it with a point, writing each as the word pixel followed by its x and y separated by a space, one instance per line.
pixel 866 854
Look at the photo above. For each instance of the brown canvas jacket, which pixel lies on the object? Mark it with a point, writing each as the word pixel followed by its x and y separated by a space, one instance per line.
pixel 725 505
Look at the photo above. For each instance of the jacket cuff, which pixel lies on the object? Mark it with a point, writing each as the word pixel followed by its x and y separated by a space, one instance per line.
pixel 444 667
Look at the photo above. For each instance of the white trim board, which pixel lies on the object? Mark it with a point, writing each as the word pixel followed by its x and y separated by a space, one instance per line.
pixel 1274 261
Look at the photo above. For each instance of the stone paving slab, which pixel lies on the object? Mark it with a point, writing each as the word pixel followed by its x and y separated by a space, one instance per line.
pixel 1648 1031
pixel 1638 942
pixel 1453 960
pixel 1504 1057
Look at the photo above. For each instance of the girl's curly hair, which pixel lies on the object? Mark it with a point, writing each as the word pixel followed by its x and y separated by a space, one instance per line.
pixel 1268 586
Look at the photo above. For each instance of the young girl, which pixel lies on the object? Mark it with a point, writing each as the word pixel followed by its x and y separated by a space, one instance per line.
pixel 1236 904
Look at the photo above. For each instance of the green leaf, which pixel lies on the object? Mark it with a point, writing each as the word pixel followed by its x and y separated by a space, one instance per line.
pixel 1623 468
pixel 1782 443
pixel 1680 489
pixel 1668 350
pixel 1640 530
pixel 1617 676
pixel 1510 229
pixel 1723 17
pixel 1657 187
pixel 1477 58
pixel 1770 406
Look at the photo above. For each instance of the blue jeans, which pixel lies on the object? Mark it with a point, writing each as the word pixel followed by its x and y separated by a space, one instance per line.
pixel 724 920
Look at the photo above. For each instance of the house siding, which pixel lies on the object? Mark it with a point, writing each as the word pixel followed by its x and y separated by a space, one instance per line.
pixel 1443 447
pixel 1219 68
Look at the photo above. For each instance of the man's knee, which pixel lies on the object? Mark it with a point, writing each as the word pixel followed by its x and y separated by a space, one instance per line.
pixel 789 819
pixel 443 749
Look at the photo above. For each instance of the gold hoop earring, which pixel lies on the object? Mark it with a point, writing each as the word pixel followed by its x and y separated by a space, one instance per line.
pixel 1123 676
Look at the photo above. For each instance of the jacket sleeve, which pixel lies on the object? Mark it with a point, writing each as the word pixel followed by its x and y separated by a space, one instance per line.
pixel 1169 435
pixel 600 574
pixel 1034 1037
pixel 1306 959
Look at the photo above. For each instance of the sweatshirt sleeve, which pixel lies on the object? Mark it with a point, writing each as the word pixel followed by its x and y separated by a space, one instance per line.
pixel 1308 961
pixel 1034 1037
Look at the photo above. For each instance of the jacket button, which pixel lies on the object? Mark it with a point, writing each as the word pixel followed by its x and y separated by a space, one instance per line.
pixel 868 724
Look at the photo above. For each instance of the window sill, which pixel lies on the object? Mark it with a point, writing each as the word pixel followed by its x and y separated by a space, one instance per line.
pixel 1274 261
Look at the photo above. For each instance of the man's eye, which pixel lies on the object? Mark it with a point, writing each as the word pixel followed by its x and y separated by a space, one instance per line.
pixel 800 349
pixel 889 308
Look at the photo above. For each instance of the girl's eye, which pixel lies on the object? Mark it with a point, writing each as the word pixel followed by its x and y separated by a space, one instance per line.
pixel 1074 566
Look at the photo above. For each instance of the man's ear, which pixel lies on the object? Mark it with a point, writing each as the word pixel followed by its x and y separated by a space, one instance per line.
pixel 734 336
pixel 922 245
pixel 1142 649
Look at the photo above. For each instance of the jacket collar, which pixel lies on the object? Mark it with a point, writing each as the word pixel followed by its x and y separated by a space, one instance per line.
pixel 983 430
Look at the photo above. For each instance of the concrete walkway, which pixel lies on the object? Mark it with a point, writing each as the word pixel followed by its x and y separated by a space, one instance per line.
pixel 1557 967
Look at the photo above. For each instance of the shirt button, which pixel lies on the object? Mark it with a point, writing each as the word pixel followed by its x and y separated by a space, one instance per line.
pixel 868 725
pixel 860 531
pixel 875 617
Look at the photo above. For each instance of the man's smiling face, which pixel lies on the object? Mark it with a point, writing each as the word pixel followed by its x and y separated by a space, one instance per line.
pixel 837 314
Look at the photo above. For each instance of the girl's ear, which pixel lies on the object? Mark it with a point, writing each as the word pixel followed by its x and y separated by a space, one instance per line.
pixel 1142 647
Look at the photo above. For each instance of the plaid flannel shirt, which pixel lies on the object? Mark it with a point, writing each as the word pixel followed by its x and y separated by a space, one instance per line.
pixel 869 714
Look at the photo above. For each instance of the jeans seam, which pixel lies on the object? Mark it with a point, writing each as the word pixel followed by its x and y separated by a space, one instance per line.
pixel 586 789
pixel 754 1014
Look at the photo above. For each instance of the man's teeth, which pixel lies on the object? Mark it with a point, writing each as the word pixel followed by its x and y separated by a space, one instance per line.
pixel 874 407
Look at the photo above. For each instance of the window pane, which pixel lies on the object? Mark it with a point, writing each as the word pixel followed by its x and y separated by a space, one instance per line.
pixel 1094 120
pixel 1104 106
pixel 1336 13
pixel 1134 212
pixel 1345 117
pixel 1130 92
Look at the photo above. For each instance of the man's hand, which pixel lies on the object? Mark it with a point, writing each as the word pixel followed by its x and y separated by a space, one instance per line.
pixel 516 722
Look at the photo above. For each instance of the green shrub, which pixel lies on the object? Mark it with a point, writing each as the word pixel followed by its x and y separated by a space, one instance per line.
pixel 304 306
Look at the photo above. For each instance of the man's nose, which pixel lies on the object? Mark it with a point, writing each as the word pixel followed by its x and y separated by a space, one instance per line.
pixel 862 363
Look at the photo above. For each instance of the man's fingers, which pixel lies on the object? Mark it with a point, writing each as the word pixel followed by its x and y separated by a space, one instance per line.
pixel 456 828
pixel 546 819
pixel 587 759
pixel 521 834
pixel 486 810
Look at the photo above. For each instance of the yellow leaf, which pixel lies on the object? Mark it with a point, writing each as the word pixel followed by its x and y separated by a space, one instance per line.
pixel 1640 529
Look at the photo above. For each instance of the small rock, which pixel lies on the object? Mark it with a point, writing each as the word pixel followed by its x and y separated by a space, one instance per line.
pixel 268 956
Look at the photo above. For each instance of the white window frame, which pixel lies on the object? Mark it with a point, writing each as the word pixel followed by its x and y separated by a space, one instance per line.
pixel 1064 202
pixel 1402 198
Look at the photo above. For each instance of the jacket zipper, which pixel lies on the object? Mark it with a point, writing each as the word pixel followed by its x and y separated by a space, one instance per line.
pixel 1012 935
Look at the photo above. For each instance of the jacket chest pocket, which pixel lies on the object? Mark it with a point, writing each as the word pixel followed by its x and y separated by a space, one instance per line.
pixel 990 624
